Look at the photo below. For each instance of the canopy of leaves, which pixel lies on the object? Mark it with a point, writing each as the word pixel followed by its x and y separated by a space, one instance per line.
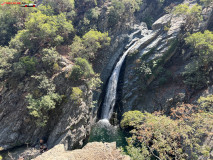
pixel 90 44
pixel 50 57
pixel 196 72
pixel 12 18
pixel 76 95
pixel 206 103
pixel 6 56
pixel 42 31
pixel 165 138
pixel 122 10
pixel 43 101
pixel 82 70
pixel 202 44
pixel 192 14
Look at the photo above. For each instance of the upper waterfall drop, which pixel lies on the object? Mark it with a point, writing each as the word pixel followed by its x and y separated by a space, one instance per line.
pixel 110 98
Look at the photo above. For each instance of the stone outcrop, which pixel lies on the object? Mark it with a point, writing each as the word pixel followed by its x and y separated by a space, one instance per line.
pixel 92 151
pixel 68 123
pixel 159 97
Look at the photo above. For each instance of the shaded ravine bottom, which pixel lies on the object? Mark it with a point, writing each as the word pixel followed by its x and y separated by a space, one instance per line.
pixel 104 132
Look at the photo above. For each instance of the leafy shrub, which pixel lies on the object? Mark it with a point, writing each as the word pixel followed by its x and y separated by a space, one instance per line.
pixel 94 40
pixel 6 56
pixel 165 138
pixel 193 14
pixel 29 63
pixel 40 106
pixel 61 6
pixel 120 11
pixel 12 19
pixel 196 73
pixel 50 58
pixel 88 46
pixel 82 70
pixel 25 66
pixel 76 95
pixel 77 48
pixel 206 103
pixel 42 31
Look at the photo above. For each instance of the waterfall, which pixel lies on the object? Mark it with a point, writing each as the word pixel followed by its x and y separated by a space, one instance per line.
pixel 110 98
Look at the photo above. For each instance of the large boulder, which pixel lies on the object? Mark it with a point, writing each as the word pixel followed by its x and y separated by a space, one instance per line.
pixel 92 151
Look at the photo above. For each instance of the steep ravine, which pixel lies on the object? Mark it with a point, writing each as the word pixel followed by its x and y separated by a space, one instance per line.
pixel 72 124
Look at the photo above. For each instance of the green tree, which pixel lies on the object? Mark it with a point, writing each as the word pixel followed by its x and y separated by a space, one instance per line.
pixel 77 48
pixel 6 57
pixel 95 40
pixel 89 45
pixel 196 73
pixel 202 43
pixel 42 31
pixel 122 11
pixel 165 138
pixel 12 18
pixel 82 70
pixel 192 14
pixel 206 103
pixel 50 57
pixel 39 107
pixel 62 6
pixel 76 95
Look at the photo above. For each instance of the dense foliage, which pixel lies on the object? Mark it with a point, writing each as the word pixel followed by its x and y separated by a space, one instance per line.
pixel 197 72
pixel 42 100
pixel 176 137
pixel 89 45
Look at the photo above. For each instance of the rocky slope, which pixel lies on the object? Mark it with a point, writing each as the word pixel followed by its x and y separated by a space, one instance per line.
pixel 68 124
pixel 160 95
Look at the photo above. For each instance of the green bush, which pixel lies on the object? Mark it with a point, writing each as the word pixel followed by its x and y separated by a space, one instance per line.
pixel 29 64
pixel 42 31
pixel 82 70
pixel 6 57
pixel 160 136
pixel 122 10
pixel 50 58
pixel 193 15
pixel 89 45
pixel 95 40
pixel 45 100
pixel 25 66
pixel 206 103
pixel 12 19
pixel 76 95
pixel 196 73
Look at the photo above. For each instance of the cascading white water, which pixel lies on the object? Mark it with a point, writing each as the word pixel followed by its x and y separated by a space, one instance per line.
pixel 110 98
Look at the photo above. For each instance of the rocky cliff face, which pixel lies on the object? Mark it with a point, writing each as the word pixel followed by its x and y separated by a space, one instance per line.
pixel 68 123
pixel 161 91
